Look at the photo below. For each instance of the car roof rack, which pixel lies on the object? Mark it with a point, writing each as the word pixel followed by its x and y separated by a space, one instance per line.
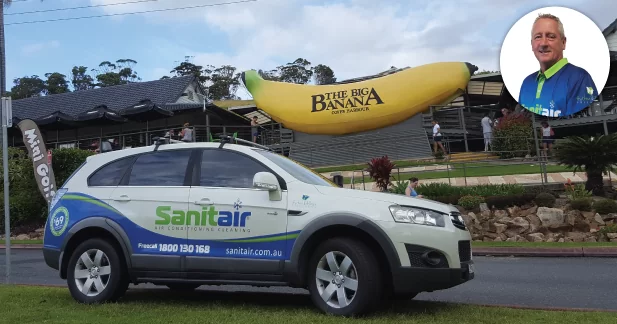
pixel 229 139
pixel 160 140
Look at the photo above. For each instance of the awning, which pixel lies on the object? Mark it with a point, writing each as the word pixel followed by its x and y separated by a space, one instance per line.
pixel 100 115
pixel 145 110
pixel 57 121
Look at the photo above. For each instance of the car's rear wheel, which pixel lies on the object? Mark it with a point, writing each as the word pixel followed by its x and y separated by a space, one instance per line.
pixel 344 277
pixel 95 273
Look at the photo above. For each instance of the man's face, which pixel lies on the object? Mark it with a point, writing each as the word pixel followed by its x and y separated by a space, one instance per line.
pixel 546 42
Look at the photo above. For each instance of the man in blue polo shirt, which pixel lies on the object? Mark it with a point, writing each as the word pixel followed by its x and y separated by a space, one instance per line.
pixel 559 88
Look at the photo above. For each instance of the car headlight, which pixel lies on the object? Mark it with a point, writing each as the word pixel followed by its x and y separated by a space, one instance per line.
pixel 414 215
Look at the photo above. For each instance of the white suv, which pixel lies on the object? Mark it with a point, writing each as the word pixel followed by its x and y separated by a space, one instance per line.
pixel 191 214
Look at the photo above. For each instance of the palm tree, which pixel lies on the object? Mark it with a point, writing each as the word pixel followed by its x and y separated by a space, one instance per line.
pixel 595 155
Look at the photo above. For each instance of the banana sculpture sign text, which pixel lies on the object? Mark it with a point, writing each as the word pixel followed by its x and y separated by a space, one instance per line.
pixel 347 108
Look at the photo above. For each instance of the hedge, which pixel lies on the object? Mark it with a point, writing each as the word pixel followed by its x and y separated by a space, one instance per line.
pixel 27 205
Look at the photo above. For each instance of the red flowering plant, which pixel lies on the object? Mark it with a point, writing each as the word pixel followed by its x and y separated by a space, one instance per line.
pixel 379 170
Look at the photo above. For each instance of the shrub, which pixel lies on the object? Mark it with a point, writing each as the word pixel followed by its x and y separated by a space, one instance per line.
pixel 399 188
pixel 513 133
pixel 535 190
pixel 509 201
pixel 444 189
pixel 576 191
pixel 470 202
pixel 605 206
pixel 545 199
pixel 608 229
pixel 379 170
pixel 27 205
pixel 582 204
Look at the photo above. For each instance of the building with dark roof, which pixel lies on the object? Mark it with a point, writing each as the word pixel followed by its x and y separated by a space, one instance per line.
pixel 131 114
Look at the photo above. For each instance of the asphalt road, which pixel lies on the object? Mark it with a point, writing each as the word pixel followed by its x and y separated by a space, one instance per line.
pixel 531 282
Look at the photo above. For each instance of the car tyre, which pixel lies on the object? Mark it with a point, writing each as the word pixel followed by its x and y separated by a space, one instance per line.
pixel 95 273
pixel 344 269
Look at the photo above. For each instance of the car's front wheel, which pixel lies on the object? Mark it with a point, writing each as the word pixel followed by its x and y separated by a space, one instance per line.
pixel 95 273
pixel 344 277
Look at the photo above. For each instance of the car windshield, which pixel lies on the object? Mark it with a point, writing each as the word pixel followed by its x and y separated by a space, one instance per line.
pixel 297 170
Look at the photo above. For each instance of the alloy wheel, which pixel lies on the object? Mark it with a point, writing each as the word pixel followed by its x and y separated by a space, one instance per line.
pixel 337 279
pixel 92 272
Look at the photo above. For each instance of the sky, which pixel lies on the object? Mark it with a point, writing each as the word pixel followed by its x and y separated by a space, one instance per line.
pixel 354 37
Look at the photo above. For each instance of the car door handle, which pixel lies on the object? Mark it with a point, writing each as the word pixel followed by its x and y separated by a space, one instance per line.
pixel 204 201
pixel 122 198
pixel 273 213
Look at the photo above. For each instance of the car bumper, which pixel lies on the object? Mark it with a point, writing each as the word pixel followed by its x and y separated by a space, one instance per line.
pixel 415 280
pixel 52 257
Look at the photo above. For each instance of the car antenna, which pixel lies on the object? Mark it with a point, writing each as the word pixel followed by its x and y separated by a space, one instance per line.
pixel 229 139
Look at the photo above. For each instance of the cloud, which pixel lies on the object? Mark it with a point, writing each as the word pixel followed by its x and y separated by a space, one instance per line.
pixel 39 47
pixel 355 37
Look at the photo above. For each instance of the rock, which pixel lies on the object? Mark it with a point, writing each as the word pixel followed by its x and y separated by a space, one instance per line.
pixel 614 240
pixel 550 240
pixel 511 239
pixel 513 211
pixel 588 215
pixel 610 217
pixel 520 239
pixel 535 237
pixel 22 237
pixel 611 235
pixel 551 217
pixel 497 227
pixel 498 239
pixel 518 225
pixel 561 240
pixel 529 211
pixel 40 231
pixel 491 236
pixel 591 239
pixel 485 215
pixel 477 236
pixel 500 214
pixel 598 219
pixel 534 223
pixel 576 237
pixel 560 202
pixel 484 207
pixel 504 220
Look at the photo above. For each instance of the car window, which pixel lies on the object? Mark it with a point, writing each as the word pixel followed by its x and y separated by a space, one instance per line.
pixel 220 168
pixel 111 174
pixel 297 170
pixel 162 168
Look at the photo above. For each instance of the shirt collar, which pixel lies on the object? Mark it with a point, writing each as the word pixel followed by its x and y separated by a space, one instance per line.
pixel 553 69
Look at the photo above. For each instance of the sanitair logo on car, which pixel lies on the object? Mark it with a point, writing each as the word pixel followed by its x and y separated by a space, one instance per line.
pixel 209 218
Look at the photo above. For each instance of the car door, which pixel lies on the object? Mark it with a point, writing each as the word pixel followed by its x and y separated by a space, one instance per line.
pixel 241 230
pixel 153 197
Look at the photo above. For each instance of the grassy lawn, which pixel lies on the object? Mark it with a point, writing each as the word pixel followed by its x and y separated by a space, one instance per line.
pixel 20 304
pixel 472 170
pixel 24 241
pixel 543 244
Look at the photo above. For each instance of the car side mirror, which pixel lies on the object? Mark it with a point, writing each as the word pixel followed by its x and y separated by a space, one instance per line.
pixel 268 182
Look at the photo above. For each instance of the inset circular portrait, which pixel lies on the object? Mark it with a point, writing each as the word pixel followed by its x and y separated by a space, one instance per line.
pixel 555 61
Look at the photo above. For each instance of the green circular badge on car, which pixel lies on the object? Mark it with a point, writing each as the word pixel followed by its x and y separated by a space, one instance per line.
pixel 58 221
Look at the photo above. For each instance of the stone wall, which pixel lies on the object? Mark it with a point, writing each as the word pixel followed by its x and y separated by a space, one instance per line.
pixel 538 224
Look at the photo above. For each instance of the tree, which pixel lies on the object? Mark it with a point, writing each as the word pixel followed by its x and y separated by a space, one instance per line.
pixel 5 3
pixel 298 71
pixel 111 74
pixel 188 68
pixel 595 155
pixel 56 83
pixel 487 72
pixel 223 82
pixel 26 87
pixel 323 74
pixel 80 79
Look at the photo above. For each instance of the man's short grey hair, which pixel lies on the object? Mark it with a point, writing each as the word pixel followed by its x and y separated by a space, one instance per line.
pixel 555 18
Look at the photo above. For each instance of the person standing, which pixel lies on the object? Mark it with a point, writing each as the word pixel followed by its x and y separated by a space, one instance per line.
pixel 487 130
pixel 547 138
pixel 254 130
pixel 186 133
pixel 437 137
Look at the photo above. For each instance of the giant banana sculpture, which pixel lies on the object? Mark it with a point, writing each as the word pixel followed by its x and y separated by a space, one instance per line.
pixel 346 108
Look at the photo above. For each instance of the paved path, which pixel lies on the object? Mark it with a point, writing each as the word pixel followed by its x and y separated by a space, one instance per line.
pixel 532 282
